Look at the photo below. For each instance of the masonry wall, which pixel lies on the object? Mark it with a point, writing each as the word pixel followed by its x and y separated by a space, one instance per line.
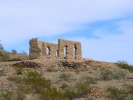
pixel 70 53
pixel 45 50
pixel 49 50
pixel 35 50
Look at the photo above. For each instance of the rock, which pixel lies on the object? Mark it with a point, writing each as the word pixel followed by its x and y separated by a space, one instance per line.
pixel 27 64
pixel 97 92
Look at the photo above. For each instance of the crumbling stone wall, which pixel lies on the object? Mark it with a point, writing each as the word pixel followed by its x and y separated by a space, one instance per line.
pixel 65 49
pixel 35 49
pixel 70 52
pixel 49 50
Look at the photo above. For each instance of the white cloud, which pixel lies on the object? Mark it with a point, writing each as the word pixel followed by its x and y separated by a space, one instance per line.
pixel 26 19
pixel 110 47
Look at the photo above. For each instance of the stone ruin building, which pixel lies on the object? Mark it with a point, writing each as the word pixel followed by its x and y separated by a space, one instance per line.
pixel 65 49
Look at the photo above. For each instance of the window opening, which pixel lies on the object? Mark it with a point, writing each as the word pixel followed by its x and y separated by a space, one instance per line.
pixel 48 51
pixel 65 51
pixel 56 53
pixel 74 52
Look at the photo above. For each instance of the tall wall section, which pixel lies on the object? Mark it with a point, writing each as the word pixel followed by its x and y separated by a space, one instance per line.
pixel 69 49
pixel 35 50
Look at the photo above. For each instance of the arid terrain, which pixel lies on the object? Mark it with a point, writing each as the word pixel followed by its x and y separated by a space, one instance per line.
pixel 65 80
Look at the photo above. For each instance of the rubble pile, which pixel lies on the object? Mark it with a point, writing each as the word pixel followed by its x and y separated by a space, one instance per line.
pixel 73 64
pixel 27 64
pixel 97 92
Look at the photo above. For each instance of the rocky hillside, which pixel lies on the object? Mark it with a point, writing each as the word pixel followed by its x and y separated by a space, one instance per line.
pixel 65 80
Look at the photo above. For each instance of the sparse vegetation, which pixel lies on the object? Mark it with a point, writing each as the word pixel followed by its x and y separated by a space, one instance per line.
pixel 52 94
pixel 64 76
pixel 89 80
pixel 18 69
pixel 17 79
pixel 116 94
pixel 49 69
pixel 2 72
pixel 125 65
pixel 6 95
pixel 106 74
pixel 64 86
pixel 4 56
pixel 72 85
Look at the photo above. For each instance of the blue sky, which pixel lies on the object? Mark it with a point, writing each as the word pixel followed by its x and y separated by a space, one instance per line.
pixel 104 27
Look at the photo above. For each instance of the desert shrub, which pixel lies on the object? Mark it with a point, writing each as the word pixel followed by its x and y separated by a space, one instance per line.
pixel 19 95
pixel 130 92
pixel 106 74
pixel 64 86
pixel 70 93
pixel 4 56
pixel 9 95
pixel 116 94
pixel 18 69
pixel 52 94
pixel 119 74
pixel 82 88
pixel 2 73
pixel 78 90
pixel 36 82
pixel 49 69
pixel 6 95
pixel 77 71
pixel 125 65
pixel 16 79
pixel 89 80
pixel 64 76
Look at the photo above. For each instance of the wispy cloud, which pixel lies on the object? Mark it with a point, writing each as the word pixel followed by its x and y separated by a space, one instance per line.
pixel 110 47
pixel 26 19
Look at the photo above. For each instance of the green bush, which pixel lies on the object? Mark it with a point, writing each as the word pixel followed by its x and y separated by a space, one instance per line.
pixel 70 93
pixel 116 94
pixel 82 88
pixel 119 74
pixel 49 69
pixel 77 71
pixel 16 79
pixel 52 94
pixel 9 95
pixel 125 65
pixel 106 74
pixel 36 82
pixel 89 80
pixel 64 86
pixel 19 69
pixel 6 95
pixel 4 56
pixel 64 76
pixel 2 73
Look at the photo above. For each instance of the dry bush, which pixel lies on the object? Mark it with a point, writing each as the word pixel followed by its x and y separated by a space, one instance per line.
pixel 107 74
pixel 125 65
